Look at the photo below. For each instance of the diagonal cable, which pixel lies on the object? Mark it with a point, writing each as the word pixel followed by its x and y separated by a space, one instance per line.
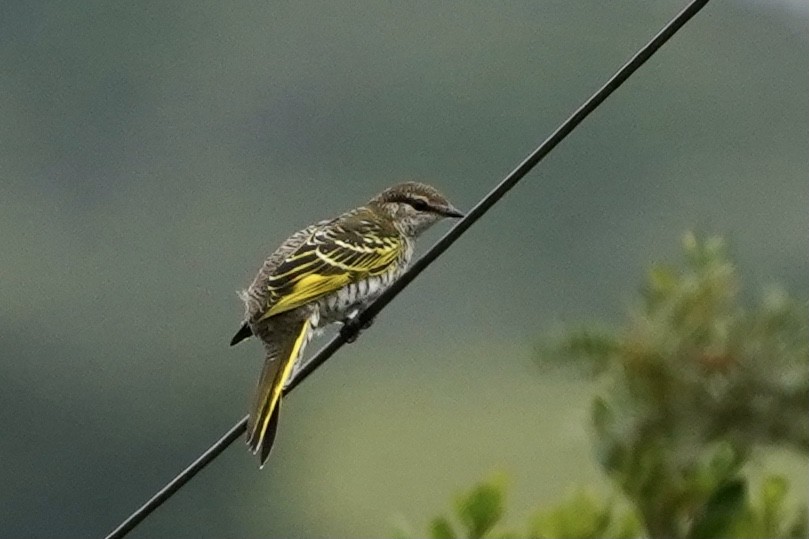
pixel 350 330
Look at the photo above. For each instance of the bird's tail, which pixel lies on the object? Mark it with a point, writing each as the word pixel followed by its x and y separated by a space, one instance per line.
pixel 283 351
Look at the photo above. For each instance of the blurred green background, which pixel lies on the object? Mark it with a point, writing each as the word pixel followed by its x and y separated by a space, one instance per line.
pixel 153 153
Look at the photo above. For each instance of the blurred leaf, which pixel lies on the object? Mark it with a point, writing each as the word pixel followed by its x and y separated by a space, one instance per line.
pixel 715 466
pixel 724 460
pixel 661 283
pixel 773 493
pixel 584 515
pixel 440 528
pixel 481 509
pixel 771 516
pixel 726 505
pixel 478 511
pixel 626 526
pixel 601 414
pixel 592 349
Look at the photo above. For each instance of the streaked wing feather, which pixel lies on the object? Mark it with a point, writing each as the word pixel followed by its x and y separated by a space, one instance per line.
pixel 343 251
pixel 256 296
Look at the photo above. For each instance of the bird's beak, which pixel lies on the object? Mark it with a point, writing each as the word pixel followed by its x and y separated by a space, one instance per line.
pixel 451 211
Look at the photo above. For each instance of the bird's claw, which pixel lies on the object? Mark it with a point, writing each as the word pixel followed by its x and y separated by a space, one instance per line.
pixel 351 329
pixel 349 333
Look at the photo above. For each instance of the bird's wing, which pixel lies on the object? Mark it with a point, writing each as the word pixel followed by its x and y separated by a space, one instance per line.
pixel 344 251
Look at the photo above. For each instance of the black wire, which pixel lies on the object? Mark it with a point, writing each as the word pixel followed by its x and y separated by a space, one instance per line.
pixel 349 331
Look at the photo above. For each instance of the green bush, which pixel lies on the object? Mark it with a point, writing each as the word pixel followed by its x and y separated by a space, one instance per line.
pixel 693 383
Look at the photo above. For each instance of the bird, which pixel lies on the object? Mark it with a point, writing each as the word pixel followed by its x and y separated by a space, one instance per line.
pixel 327 273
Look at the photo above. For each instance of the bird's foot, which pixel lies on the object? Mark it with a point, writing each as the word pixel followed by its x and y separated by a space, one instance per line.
pixel 352 328
pixel 350 331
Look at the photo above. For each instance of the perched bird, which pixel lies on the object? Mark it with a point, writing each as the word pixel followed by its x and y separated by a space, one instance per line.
pixel 327 273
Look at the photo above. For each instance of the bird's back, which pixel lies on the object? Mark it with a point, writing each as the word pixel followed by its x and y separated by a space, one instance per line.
pixel 256 296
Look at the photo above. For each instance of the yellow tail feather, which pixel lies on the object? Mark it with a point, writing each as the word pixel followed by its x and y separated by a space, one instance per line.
pixel 284 347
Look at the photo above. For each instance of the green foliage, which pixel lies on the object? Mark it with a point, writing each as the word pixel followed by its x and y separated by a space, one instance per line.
pixel 588 347
pixel 481 509
pixel 477 512
pixel 770 515
pixel 586 514
pixel 693 384
pixel 583 515
pixel 440 528
pixel 720 511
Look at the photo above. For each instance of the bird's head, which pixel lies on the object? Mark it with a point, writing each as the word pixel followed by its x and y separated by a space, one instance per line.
pixel 413 207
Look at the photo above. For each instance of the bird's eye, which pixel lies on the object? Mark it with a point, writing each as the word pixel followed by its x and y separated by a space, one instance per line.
pixel 419 205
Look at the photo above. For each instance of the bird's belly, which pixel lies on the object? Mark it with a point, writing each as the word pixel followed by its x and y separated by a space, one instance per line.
pixel 348 300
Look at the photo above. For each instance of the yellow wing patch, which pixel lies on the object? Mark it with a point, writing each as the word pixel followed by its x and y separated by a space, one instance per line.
pixel 306 289
pixel 333 257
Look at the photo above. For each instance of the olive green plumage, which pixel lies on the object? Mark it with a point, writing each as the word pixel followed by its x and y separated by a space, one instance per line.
pixel 324 273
